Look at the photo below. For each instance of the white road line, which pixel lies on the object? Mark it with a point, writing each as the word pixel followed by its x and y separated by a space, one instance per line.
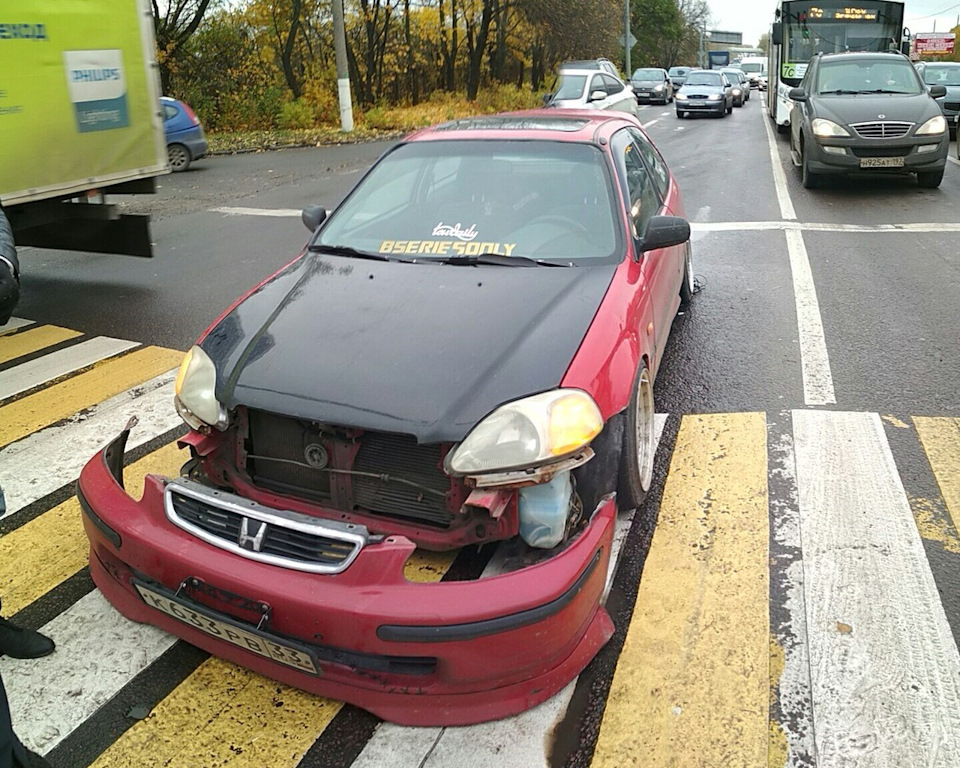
pixel 664 114
pixel 13 323
pixel 814 360
pixel 651 122
pixel 56 364
pixel 514 741
pixel 46 460
pixel 953 160
pixel 779 178
pixel 273 212
pixel 884 664
pixel 98 652
pixel 798 226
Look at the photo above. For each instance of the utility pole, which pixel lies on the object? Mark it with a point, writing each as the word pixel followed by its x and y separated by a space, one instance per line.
pixel 343 71
pixel 626 36
pixel 703 30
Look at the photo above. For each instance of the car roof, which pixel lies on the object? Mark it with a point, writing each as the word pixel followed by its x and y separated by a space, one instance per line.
pixel 570 125
pixel 580 71
pixel 863 55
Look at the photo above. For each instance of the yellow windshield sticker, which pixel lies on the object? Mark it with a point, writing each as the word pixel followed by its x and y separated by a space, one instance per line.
pixel 445 247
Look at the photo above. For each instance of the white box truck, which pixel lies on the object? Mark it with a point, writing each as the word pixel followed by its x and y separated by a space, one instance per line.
pixel 80 118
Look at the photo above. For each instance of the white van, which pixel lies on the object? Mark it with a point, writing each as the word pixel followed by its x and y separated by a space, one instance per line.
pixel 754 67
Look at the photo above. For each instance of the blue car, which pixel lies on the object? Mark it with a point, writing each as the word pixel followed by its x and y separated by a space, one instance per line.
pixel 185 139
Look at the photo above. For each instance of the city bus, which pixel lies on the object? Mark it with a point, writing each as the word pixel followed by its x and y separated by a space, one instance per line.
pixel 801 29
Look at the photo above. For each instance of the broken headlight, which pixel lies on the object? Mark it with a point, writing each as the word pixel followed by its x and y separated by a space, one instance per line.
pixel 196 398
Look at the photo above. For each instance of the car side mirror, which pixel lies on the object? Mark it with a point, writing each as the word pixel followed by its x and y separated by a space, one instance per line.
pixel 798 94
pixel 313 216
pixel 776 33
pixel 663 232
pixel 546 99
pixel 938 91
pixel 598 96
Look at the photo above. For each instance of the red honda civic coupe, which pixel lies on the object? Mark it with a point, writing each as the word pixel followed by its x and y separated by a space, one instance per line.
pixel 464 352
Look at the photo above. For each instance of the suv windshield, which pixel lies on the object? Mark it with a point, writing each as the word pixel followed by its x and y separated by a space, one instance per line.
pixel 570 86
pixel 443 199
pixel 648 74
pixel 752 67
pixel 678 70
pixel 887 75
pixel 941 75
pixel 704 78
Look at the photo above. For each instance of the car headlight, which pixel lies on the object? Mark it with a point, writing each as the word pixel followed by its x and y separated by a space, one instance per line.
pixel 933 126
pixel 826 129
pixel 195 388
pixel 736 91
pixel 715 97
pixel 658 88
pixel 681 97
pixel 534 430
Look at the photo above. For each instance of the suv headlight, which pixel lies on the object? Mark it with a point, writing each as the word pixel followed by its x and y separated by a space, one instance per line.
pixel 826 129
pixel 535 430
pixel 196 398
pixel 933 126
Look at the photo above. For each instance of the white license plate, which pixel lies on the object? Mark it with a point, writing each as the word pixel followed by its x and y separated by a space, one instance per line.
pixel 643 93
pixel 881 162
pixel 258 642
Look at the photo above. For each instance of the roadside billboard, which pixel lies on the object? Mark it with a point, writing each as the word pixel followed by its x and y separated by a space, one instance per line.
pixel 935 43
pixel 78 96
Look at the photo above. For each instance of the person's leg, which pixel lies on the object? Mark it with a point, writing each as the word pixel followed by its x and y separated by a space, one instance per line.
pixel 20 643
pixel 12 752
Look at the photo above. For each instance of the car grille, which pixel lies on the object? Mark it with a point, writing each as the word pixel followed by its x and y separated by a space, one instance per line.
pixel 273 536
pixel 376 472
pixel 697 96
pixel 882 130
pixel 881 151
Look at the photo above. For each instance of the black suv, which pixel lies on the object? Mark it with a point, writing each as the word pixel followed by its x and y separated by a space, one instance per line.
pixel 867 112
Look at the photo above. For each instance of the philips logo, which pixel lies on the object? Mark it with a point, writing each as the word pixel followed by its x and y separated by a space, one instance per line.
pixel 95 75
pixel 98 89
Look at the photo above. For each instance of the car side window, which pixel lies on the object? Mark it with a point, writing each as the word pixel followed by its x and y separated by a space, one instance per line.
pixel 655 162
pixel 596 84
pixel 169 112
pixel 613 86
pixel 639 186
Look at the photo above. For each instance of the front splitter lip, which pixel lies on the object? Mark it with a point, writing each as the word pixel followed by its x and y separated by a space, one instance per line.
pixel 502 644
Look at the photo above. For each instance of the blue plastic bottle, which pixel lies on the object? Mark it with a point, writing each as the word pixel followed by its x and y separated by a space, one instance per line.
pixel 543 511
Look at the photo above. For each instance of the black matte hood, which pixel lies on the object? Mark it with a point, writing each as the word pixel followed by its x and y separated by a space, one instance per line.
pixel 421 349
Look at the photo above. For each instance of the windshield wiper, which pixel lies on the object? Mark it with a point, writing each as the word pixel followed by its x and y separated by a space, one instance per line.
pixel 346 250
pixel 839 91
pixel 882 90
pixel 498 260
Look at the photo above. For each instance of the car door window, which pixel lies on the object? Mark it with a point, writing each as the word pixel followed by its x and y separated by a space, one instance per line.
pixel 661 174
pixel 639 186
pixel 612 85
pixel 169 112
pixel 596 84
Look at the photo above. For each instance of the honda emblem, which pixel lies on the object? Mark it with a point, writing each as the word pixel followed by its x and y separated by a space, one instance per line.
pixel 252 540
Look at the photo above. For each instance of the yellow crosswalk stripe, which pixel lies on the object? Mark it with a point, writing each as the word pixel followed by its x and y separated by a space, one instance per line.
pixel 38 556
pixel 692 684
pixel 103 381
pixel 34 340
pixel 940 437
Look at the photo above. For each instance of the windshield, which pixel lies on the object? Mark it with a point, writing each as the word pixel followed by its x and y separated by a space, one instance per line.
pixel 752 67
pixel 834 26
pixel 888 75
pixel 704 78
pixel 941 75
pixel 648 74
pixel 678 71
pixel 570 86
pixel 443 199
pixel 732 75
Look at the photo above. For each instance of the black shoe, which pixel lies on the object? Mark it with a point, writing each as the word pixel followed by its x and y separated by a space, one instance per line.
pixel 33 761
pixel 20 643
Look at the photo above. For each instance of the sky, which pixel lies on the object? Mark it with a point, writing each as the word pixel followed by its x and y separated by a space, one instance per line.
pixel 753 17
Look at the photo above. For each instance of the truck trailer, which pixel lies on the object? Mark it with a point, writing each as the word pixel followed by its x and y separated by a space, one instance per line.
pixel 80 118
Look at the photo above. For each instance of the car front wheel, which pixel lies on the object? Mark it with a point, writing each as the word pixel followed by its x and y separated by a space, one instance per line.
pixel 680 114
pixel 686 283
pixel 808 178
pixel 639 444
pixel 179 157
pixel 930 179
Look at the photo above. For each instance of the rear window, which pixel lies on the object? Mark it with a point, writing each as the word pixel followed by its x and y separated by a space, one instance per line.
pixel 648 74
pixel 752 67
pixel 441 199
pixel 678 71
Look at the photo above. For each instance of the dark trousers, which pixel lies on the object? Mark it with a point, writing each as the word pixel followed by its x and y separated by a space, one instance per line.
pixel 12 752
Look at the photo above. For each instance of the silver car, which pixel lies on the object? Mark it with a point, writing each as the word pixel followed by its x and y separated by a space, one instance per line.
pixel 947 74
pixel 741 85
pixel 591 89
pixel 650 84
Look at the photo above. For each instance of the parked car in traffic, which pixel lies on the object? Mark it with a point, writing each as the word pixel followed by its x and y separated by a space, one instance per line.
pixel 867 112
pixel 705 90
pixel 186 141
pixel 740 83
pixel 755 68
pixel 591 89
pixel 651 84
pixel 947 74
pixel 604 65
pixel 465 352
pixel 678 75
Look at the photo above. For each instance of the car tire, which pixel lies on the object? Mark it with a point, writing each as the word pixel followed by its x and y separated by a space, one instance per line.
pixel 639 444
pixel 179 157
pixel 686 282
pixel 781 129
pixel 680 114
pixel 808 178
pixel 930 179
pixel 730 109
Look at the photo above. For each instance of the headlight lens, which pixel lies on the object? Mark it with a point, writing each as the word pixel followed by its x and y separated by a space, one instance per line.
pixel 535 430
pixel 715 97
pixel 681 97
pixel 658 88
pixel 933 126
pixel 196 398
pixel 736 91
pixel 826 129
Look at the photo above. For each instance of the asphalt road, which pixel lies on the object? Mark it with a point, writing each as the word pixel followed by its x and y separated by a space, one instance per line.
pixel 820 312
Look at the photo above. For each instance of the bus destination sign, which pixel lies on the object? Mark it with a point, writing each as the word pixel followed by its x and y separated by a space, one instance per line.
pixel 851 13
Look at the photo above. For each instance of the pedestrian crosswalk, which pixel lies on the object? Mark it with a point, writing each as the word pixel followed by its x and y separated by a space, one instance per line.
pixel 797 605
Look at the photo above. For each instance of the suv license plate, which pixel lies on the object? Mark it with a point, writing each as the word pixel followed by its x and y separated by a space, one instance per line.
pixel 881 162
pixel 252 640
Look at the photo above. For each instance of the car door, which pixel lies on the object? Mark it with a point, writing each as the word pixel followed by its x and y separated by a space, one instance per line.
pixel 619 97
pixel 727 91
pixel 656 269
pixel 597 84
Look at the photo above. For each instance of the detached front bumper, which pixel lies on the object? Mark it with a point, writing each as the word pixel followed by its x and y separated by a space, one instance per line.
pixel 449 653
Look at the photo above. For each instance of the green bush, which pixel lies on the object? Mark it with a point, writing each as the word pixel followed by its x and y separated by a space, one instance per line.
pixel 296 114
